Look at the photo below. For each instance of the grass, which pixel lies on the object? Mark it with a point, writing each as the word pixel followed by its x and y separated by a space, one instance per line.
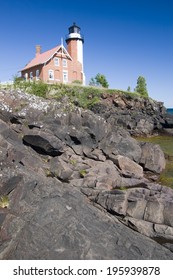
pixel 165 142
pixel 166 177
pixel 83 173
pixel 82 96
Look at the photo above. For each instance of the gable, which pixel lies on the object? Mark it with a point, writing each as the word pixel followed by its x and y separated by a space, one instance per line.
pixel 46 56
pixel 63 53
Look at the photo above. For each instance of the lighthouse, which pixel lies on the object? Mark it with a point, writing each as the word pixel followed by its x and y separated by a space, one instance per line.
pixel 75 42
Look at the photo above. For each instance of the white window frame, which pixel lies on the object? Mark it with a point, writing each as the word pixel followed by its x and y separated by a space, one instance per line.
pixel 65 76
pixel 26 76
pixel 56 61
pixel 51 74
pixel 37 74
pixel 31 76
pixel 64 62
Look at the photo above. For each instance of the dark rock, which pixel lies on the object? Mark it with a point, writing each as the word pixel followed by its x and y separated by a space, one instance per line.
pixel 168 121
pixel 60 228
pixel 10 185
pixel 168 131
pixel 120 143
pixel 42 145
pixel 75 178
pixel 140 116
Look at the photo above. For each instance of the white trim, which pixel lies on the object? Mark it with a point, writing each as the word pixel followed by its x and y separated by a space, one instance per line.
pixel 74 36
pixel 37 74
pixel 80 52
pixel 64 62
pixel 66 52
pixel 56 61
pixel 26 76
pixel 31 76
pixel 65 76
pixel 51 75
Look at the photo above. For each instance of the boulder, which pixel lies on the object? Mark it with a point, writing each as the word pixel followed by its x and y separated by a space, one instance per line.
pixel 154 212
pixel 128 167
pixel 144 127
pixel 120 143
pixel 60 169
pixel 152 158
pixel 42 145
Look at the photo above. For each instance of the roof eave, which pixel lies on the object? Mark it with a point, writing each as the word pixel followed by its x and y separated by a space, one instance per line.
pixel 29 67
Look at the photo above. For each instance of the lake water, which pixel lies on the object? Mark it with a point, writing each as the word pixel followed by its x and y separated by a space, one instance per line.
pixel 170 110
pixel 166 143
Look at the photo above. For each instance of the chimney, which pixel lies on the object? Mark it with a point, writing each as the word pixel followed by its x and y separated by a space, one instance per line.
pixel 38 50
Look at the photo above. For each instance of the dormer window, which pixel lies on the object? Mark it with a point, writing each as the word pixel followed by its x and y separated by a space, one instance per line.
pixel 64 62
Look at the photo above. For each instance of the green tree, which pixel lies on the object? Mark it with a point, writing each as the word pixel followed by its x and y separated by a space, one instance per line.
pixel 99 80
pixel 128 89
pixel 141 87
pixel 92 82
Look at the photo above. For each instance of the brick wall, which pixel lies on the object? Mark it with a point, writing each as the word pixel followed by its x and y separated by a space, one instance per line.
pixel 72 71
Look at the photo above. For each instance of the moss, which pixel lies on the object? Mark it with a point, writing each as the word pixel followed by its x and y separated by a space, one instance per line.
pixel 49 173
pixel 73 162
pixel 82 173
pixel 4 201
pixel 123 188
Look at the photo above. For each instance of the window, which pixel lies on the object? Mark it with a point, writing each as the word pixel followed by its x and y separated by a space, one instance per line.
pixel 51 74
pixel 26 76
pixel 56 61
pixel 65 76
pixel 31 76
pixel 64 62
pixel 37 74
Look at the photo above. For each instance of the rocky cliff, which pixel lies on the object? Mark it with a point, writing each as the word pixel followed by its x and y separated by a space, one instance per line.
pixel 74 186
pixel 138 115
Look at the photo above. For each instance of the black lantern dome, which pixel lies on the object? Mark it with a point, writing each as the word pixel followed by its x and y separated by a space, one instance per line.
pixel 74 33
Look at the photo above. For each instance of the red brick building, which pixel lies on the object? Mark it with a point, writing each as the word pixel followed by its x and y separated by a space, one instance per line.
pixel 58 64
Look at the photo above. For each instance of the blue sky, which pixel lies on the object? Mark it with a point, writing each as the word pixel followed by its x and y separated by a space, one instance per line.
pixel 123 39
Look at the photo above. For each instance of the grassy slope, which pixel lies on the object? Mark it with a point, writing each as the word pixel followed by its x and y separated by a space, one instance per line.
pixel 83 96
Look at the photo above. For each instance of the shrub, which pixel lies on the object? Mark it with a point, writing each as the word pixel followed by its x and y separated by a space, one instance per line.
pixel 77 82
pixel 38 88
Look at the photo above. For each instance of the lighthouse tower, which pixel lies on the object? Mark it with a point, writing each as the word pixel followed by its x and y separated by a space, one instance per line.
pixel 75 42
